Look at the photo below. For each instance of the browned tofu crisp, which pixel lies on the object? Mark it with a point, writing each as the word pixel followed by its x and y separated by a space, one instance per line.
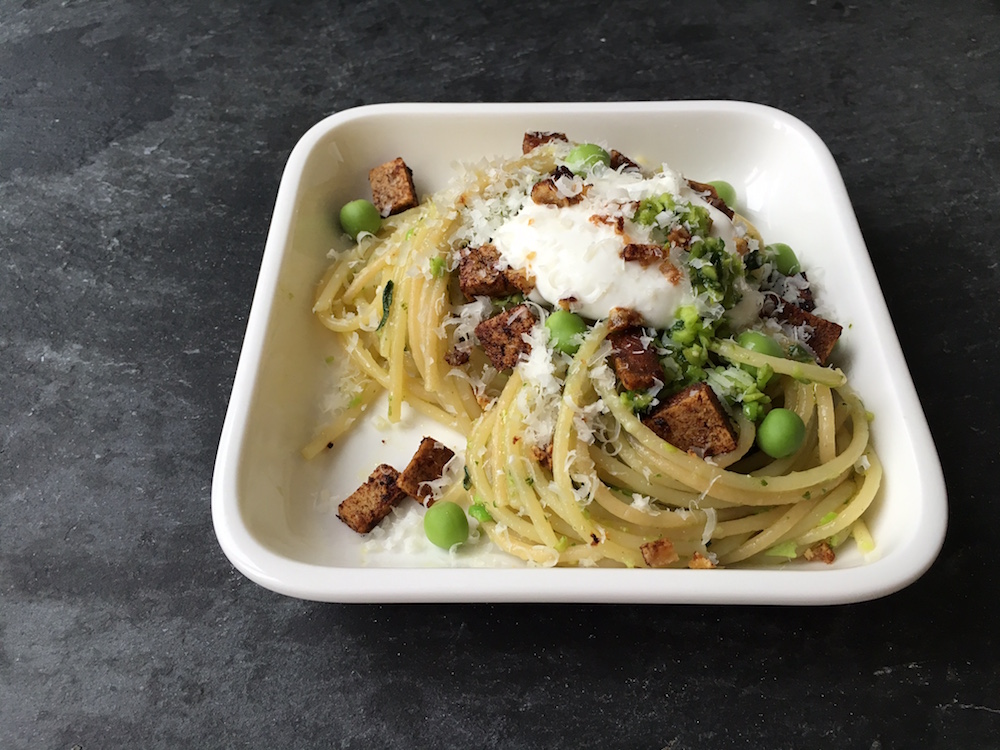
pixel 372 501
pixel 805 300
pixel 392 187
pixel 637 367
pixel 823 334
pixel 712 198
pixel 479 274
pixel 426 465
pixel 645 255
pixel 547 193
pixel 536 138
pixel 699 561
pixel 502 336
pixel 679 237
pixel 543 455
pixel 457 357
pixel 621 318
pixel 694 421
pixel 821 551
pixel 659 554
pixel 620 161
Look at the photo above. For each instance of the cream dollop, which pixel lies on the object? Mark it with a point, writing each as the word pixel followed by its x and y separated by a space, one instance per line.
pixel 575 252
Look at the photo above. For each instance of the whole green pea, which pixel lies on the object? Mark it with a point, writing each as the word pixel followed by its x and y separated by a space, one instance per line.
pixel 565 329
pixel 760 343
pixel 446 525
pixel 360 216
pixel 781 433
pixel 586 156
pixel 783 258
pixel 725 191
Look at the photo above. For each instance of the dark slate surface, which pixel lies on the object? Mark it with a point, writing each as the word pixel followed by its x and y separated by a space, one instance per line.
pixel 140 149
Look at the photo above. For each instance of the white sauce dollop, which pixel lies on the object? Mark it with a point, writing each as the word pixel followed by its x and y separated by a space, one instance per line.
pixel 573 254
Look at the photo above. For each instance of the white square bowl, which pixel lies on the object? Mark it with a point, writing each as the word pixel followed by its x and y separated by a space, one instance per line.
pixel 275 513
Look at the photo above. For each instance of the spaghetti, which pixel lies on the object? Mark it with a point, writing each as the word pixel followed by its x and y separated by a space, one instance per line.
pixel 562 458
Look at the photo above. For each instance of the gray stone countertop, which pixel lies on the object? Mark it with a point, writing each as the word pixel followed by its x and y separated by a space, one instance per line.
pixel 141 146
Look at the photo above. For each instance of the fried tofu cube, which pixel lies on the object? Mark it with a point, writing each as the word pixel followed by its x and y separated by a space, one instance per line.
pixel 372 501
pixel 823 333
pixel 648 254
pixel 636 365
pixel 712 198
pixel 620 161
pixel 548 192
pixel 621 318
pixel 543 455
pixel 392 187
pixel 427 465
pixel 502 336
pixel 645 254
pixel 699 561
pixel 805 301
pixel 679 236
pixel 659 554
pixel 535 138
pixel 821 551
pixel 479 274
pixel 457 357
pixel 694 421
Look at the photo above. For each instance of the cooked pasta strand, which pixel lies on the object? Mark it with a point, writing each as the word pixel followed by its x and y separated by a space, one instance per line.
pixel 590 483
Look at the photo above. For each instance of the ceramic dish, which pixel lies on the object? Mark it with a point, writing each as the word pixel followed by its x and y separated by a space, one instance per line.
pixel 275 513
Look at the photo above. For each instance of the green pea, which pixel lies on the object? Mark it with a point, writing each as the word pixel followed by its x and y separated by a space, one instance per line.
pixel 586 156
pixel 760 343
pixel 360 216
pixel 781 433
pixel 725 191
pixel 783 258
pixel 445 524
pixel 565 329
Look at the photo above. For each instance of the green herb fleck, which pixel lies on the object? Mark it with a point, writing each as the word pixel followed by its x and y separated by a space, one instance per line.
pixel 480 513
pixel 840 537
pixel 714 271
pixel 636 401
pixel 785 549
pixel 650 208
pixel 386 303
pixel 505 303
pixel 799 353
pixel 438 266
